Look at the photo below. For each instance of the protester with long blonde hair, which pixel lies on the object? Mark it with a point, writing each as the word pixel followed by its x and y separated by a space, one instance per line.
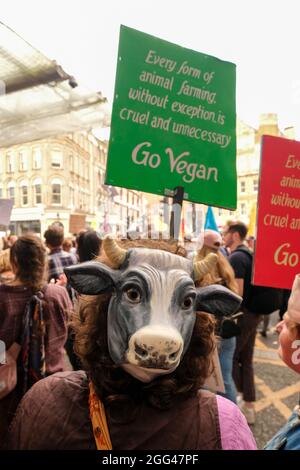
pixel 222 273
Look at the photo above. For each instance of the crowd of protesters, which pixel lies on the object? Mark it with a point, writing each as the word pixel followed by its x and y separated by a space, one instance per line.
pixel 38 310
pixel 32 274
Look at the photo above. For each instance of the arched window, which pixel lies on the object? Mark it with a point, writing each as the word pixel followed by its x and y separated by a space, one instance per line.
pixel 24 192
pixel 11 194
pixel 56 185
pixel 37 190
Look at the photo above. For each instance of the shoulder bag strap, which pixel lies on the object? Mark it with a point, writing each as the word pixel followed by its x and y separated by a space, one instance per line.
pixel 33 342
pixel 99 422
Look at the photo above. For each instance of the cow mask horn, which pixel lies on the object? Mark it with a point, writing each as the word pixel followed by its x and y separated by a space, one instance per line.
pixel 114 252
pixel 117 256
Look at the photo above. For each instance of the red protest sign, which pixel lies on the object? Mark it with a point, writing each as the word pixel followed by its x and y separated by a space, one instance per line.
pixel 277 252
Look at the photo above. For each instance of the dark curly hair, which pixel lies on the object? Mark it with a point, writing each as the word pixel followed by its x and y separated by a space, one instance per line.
pixel 54 236
pixel 88 245
pixel 28 257
pixel 112 383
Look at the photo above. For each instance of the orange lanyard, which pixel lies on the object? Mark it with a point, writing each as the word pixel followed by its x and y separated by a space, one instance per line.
pixel 99 423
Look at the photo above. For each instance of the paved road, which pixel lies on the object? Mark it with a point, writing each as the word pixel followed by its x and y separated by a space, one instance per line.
pixel 278 387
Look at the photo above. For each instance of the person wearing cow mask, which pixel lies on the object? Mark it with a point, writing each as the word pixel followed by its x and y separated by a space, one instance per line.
pixel 288 437
pixel 145 344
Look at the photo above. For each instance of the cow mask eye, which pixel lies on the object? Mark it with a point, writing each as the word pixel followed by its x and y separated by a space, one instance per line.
pixel 188 302
pixel 133 295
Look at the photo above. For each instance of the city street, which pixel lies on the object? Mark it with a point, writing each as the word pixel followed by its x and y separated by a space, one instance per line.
pixel 149 170
pixel 277 387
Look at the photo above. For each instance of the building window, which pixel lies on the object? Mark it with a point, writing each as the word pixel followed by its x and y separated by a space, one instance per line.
pixel 72 198
pixel 24 195
pixel 22 161
pixel 71 158
pixel 11 192
pixel 56 191
pixel 243 186
pixel 80 200
pixel 56 159
pixel 9 163
pixel 243 209
pixel 38 193
pixel 81 168
pixel 56 194
pixel 77 193
pixel 37 159
pixel 220 210
pixel 255 186
pixel 76 164
pixel 37 190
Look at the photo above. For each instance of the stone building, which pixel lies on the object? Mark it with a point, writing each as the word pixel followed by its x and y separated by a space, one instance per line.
pixel 61 180
pixel 53 180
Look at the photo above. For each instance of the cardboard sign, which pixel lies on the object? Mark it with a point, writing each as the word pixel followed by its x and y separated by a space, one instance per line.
pixel 277 253
pixel 77 223
pixel 6 206
pixel 173 121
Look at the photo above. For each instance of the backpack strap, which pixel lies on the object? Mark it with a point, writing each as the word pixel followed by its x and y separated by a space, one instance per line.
pixel 244 249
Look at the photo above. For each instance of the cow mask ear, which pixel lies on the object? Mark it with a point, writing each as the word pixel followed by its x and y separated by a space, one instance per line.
pixel 217 300
pixel 91 278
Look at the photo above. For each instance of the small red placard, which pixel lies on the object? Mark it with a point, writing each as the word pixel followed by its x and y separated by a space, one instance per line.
pixel 277 252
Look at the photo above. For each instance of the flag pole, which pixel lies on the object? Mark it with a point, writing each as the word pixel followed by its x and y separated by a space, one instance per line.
pixel 176 209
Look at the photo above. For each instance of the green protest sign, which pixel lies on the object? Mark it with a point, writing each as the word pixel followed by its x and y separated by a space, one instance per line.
pixel 173 121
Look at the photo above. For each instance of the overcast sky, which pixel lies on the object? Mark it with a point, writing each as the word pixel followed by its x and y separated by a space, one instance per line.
pixel 261 37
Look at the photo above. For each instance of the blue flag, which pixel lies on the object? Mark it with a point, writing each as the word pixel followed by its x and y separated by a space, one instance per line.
pixel 210 222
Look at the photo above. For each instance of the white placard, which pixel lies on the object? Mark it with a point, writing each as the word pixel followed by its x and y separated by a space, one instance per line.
pixel 6 206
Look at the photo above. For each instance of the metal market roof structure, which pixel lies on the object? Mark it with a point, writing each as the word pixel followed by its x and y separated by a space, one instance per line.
pixel 38 98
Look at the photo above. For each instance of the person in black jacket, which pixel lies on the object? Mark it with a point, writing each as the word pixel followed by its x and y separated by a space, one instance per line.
pixel 234 237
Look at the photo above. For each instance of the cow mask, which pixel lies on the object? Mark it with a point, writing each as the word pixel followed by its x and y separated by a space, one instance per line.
pixel 152 310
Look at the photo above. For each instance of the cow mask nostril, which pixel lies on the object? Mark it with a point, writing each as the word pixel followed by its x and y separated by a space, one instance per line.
pixel 150 357
pixel 155 347
pixel 174 355
pixel 141 352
